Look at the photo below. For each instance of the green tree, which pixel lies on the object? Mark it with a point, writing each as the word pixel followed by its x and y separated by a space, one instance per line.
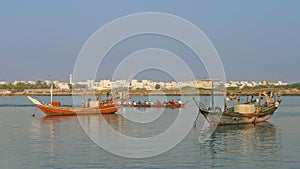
pixel 293 86
pixel 70 86
pixel 157 86
pixel 20 86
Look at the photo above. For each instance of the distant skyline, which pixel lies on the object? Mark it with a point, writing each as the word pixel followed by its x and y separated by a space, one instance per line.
pixel 256 40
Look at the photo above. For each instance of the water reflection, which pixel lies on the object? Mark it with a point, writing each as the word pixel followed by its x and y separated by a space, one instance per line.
pixel 259 143
pixel 56 122
pixel 56 119
pixel 50 135
pixel 110 118
pixel 243 146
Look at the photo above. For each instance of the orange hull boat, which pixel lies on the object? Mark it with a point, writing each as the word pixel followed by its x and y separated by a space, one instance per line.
pixel 50 110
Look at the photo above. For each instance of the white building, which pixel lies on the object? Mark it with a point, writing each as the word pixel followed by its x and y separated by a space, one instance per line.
pixel 192 84
pixel 31 82
pixel 280 83
pixel 120 83
pixel 243 84
pixel 48 82
pixel 136 84
pixel 15 82
pixel 103 84
pixel 61 85
pixel 3 83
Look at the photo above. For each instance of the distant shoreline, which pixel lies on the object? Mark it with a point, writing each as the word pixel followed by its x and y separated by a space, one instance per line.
pixel 284 92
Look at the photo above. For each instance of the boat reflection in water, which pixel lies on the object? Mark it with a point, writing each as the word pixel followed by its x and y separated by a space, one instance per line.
pixel 243 146
pixel 109 117
pixel 55 122
pixel 259 143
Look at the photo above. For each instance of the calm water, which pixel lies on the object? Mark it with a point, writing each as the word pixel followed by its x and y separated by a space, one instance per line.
pixel 60 142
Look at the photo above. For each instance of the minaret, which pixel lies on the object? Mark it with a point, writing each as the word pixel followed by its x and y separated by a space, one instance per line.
pixel 71 79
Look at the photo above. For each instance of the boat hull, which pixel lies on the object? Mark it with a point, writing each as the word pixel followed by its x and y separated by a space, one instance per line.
pixel 108 107
pixel 61 111
pixel 222 118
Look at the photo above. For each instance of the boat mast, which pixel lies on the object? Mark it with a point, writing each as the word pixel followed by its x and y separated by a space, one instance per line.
pixel 51 94
pixel 82 100
pixel 225 102
pixel 258 106
pixel 212 95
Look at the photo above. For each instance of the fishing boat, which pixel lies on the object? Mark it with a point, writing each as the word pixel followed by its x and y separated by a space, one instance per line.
pixel 108 106
pixel 251 111
pixel 54 108
pixel 162 105
pixel 176 105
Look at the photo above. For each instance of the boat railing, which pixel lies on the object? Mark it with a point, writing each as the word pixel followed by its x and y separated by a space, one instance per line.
pixel 264 109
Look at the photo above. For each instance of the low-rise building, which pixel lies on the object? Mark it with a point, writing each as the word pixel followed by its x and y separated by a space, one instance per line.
pixel 134 84
pixel 61 85
pixel 3 83
pixel 205 84
pixel 31 82
pixel 16 82
pixel 280 83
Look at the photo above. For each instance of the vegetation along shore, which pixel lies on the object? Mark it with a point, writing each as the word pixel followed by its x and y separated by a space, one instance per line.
pixel 42 89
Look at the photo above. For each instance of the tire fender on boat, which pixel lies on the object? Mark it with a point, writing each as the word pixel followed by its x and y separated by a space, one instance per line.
pixel 235 118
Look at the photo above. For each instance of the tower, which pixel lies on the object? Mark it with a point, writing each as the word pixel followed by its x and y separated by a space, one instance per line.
pixel 71 79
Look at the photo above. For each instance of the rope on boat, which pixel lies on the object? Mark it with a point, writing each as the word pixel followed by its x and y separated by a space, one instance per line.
pixel 198 111
pixel 196 119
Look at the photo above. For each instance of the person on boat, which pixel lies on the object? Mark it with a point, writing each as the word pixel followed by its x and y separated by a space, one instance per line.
pixel 133 103
pixel 165 103
pixel 107 97
pixel 173 102
pixel 88 102
pixel 158 103
pixel 179 102
pixel 140 103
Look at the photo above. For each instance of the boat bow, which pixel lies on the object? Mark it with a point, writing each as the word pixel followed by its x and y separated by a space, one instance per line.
pixel 34 101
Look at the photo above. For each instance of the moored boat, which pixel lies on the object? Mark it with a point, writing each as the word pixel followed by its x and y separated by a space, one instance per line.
pixel 253 111
pixel 54 109
pixel 162 105
pixel 176 105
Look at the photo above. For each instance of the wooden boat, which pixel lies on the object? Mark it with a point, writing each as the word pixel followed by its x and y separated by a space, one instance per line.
pixel 242 113
pixel 176 105
pixel 163 105
pixel 54 109
pixel 250 112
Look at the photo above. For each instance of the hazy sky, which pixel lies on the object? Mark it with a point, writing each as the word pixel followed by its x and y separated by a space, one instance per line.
pixel 256 40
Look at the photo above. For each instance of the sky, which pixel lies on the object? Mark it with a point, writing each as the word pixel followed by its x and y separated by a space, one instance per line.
pixel 256 40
